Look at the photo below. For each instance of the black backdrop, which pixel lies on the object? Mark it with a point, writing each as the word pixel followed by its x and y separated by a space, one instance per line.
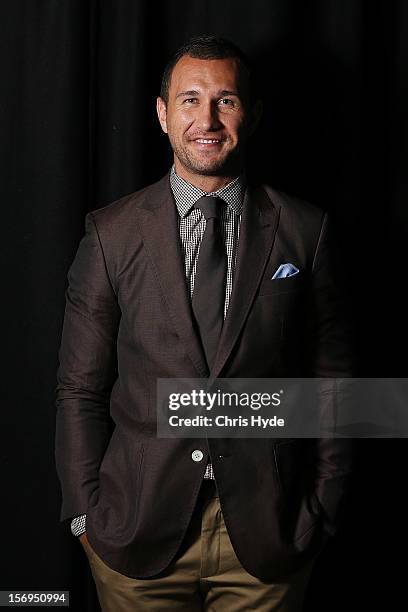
pixel 78 130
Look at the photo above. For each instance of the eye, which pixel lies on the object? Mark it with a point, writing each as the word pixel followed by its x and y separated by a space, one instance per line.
pixel 189 100
pixel 226 102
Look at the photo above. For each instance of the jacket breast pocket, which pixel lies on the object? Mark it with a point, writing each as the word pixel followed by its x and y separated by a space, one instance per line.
pixel 279 286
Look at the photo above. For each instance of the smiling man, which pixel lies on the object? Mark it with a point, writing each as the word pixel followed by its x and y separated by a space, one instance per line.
pixel 201 274
pixel 205 110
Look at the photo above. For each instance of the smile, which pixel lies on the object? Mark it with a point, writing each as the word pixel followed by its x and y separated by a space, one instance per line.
pixel 207 141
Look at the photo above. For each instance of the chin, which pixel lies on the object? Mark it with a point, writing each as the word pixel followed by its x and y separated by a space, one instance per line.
pixel 211 168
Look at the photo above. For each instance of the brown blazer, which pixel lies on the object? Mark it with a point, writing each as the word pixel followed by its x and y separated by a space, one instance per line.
pixel 128 321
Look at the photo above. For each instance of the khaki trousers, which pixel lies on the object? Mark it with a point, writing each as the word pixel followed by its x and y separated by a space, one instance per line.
pixel 205 575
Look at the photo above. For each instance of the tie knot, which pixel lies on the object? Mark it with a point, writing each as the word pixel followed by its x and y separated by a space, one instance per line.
pixel 210 206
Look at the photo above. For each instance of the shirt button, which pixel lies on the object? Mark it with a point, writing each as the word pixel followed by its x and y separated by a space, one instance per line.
pixel 197 455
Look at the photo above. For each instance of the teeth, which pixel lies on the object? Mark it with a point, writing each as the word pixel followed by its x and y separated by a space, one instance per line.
pixel 205 141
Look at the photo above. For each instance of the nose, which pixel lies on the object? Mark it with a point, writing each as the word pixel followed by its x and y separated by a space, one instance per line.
pixel 208 118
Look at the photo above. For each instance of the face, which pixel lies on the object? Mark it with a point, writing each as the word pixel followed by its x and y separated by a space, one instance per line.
pixel 206 117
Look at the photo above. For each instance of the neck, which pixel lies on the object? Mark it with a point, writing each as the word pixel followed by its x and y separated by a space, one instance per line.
pixel 204 182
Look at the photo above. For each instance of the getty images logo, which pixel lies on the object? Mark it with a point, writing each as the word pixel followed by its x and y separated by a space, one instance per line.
pixel 207 401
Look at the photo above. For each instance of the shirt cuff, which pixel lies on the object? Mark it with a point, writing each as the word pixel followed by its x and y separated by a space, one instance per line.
pixel 78 525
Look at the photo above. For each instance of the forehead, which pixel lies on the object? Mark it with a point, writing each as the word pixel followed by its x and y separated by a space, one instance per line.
pixel 201 74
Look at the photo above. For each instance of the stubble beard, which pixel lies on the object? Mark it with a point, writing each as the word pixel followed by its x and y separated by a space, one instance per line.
pixel 221 165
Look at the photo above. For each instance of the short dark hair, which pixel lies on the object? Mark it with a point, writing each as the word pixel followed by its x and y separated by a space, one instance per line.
pixel 206 47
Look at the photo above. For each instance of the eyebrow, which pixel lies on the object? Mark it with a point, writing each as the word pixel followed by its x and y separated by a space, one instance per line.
pixel 194 92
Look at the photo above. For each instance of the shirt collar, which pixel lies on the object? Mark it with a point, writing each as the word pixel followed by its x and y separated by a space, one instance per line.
pixel 186 195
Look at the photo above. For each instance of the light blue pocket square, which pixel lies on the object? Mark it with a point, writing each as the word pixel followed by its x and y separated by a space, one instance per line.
pixel 285 270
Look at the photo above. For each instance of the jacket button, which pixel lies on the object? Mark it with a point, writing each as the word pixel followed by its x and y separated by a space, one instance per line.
pixel 197 455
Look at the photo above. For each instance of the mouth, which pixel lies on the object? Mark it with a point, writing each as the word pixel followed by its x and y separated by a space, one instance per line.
pixel 207 143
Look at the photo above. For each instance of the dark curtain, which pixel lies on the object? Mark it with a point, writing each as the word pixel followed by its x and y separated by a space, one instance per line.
pixel 78 130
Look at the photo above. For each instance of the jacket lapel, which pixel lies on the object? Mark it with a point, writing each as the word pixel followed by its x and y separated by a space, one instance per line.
pixel 259 223
pixel 158 221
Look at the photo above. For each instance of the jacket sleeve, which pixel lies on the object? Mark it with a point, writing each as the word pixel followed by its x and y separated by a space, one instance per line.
pixel 86 373
pixel 332 358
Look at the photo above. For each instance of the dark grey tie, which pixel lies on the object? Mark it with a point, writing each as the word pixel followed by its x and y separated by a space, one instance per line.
pixel 211 277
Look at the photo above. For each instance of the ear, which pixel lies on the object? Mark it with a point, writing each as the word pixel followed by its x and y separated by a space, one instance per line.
pixel 161 109
pixel 256 115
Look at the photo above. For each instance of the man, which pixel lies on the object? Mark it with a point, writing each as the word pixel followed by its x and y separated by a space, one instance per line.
pixel 179 280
